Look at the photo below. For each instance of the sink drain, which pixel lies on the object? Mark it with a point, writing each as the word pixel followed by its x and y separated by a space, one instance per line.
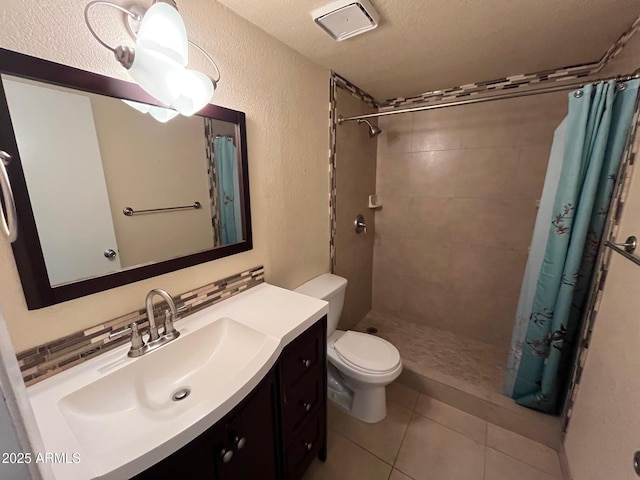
pixel 180 394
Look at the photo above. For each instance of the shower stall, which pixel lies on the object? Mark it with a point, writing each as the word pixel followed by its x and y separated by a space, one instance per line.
pixel 459 189
pixel 458 192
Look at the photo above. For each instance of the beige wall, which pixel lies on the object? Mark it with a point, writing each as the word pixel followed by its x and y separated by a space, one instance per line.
pixel 148 164
pixel 355 181
pixel 458 188
pixel 285 99
pixel 603 432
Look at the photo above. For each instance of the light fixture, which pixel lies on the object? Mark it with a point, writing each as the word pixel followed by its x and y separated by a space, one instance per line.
pixel 161 114
pixel 158 63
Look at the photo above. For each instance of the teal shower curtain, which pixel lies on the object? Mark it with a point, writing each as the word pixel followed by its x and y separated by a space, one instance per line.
pixel 228 190
pixel 584 161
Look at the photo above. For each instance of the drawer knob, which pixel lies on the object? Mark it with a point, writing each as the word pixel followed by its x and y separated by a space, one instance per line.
pixel 307 406
pixel 226 455
pixel 306 363
pixel 309 445
pixel 240 442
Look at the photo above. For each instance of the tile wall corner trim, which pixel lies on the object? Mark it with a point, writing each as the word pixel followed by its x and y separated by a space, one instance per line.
pixel 515 81
pixel 335 82
pixel 56 356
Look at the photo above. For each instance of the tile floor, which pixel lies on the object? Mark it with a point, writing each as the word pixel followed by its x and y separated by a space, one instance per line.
pixel 424 439
pixel 426 350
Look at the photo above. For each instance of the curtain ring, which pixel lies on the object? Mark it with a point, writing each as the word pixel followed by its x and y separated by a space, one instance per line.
pixel 622 86
pixel 578 93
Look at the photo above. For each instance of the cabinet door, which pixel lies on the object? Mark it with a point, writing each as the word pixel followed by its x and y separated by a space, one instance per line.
pixel 241 446
pixel 257 459
pixel 193 461
pixel 245 441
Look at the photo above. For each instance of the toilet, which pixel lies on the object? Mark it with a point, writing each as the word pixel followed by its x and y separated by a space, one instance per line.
pixel 360 365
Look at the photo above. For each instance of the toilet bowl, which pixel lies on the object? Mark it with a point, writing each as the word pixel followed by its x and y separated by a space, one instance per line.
pixel 360 365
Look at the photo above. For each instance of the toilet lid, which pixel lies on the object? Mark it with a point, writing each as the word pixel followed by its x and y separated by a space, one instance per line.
pixel 367 352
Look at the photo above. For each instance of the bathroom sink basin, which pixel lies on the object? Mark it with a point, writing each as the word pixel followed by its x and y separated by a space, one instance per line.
pixel 117 415
pixel 165 391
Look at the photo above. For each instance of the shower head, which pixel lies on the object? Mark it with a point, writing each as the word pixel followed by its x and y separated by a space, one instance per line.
pixel 373 130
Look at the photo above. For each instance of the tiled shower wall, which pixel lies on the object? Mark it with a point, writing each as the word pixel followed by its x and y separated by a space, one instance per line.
pixel 459 187
pixel 355 181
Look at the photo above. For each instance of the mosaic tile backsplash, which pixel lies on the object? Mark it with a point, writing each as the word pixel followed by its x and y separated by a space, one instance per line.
pixel 54 357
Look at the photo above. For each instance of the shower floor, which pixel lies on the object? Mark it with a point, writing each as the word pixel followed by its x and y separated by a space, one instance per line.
pixel 464 373
pixel 440 354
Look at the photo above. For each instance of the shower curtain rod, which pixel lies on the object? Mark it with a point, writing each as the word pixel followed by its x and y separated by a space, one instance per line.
pixel 501 96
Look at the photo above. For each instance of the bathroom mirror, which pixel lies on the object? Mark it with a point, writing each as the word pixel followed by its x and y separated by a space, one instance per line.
pixel 107 191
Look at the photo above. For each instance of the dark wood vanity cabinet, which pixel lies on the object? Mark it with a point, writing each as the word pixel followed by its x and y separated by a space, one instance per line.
pixel 274 433
pixel 303 400
pixel 241 446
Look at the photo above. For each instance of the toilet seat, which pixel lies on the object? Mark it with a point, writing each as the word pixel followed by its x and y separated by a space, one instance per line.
pixel 367 353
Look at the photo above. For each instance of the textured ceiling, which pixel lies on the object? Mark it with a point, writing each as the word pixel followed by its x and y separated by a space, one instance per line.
pixel 424 45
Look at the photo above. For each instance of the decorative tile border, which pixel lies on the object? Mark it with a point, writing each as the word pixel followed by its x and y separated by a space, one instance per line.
pixel 54 357
pixel 508 83
pixel 360 94
pixel 516 81
pixel 602 266
pixel 333 89
pixel 212 177
pixel 618 45
pixel 335 82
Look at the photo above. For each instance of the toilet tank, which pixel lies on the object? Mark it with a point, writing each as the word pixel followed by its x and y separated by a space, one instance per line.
pixel 330 288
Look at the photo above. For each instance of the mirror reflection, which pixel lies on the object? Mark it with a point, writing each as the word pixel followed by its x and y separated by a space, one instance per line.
pixel 87 158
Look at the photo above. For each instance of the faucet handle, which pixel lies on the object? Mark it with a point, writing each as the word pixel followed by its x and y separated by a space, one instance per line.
pixel 169 329
pixel 125 331
pixel 137 343
pixel 136 337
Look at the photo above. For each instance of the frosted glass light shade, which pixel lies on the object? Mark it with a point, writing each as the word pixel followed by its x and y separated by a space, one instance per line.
pixel 162 30
pixel 196 89
pixel 141 107
pixel 162 115
pixel 154 73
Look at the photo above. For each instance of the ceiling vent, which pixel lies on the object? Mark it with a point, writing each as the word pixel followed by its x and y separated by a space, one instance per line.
pixel 344 19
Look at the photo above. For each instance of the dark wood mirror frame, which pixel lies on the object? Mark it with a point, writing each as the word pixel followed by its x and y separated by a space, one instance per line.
pixel 27 250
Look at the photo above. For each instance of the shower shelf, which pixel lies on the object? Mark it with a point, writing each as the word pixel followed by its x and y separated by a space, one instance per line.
pixel 373 202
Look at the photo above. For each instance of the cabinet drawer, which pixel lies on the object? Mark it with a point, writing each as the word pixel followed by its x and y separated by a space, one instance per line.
pixel 305 447
pixel 302 355
pixel 301 401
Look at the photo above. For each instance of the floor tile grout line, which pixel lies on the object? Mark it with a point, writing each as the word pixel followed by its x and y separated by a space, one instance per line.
pixel 484 470
pixel 486 447
pixel 362 447
pixel 454 430
pixel 519 459
pixel 403 472
pixel 406 428
pixel 486 438
pixel 404 435
pixel 415 414
pixel 401 442
pixel 526 463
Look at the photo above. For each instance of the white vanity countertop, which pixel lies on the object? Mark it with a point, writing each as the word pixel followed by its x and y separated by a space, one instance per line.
pixel 281 315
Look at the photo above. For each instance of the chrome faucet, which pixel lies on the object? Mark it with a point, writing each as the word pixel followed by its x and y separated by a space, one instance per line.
pixel 169 333
pixel 169 318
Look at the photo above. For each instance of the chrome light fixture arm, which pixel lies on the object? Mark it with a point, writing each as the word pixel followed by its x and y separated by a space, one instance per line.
pixel 124 54
pixel 208 57
pixel 92 4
